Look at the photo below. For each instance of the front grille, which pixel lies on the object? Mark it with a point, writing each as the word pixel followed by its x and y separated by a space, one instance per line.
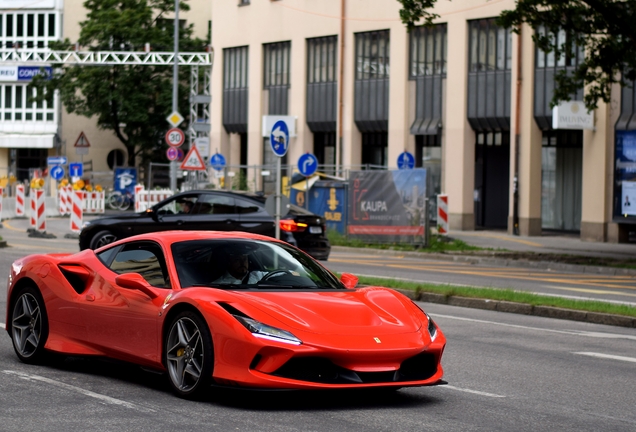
pixel 322 370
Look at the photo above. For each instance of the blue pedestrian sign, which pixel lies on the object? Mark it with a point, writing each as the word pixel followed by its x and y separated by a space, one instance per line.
pixel 57 172
pixel 76 169
pixel 56 160
pixel 217 161
pixel 279 138
pixel 406 161
pixel 307 164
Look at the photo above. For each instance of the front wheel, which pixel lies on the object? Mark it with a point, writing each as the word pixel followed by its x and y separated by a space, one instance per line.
pixel 189 356
pixel 29 326
pixel 102 238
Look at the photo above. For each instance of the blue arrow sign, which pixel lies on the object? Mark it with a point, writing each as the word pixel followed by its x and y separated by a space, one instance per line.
pixel 217 161
pixel 57 172
pixel 76 169
pixel 279 138
pixel 56 160
pixel 406 161
pixel 307 164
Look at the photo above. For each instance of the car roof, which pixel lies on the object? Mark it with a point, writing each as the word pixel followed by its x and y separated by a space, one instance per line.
pixel 245 194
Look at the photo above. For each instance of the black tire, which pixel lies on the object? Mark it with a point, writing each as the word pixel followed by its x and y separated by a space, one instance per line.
pixel 102 238
pixel 188 355
pixel 29 325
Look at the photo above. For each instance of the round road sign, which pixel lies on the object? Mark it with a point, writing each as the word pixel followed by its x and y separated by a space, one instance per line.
pixel 175 137
pixel 217 161
pixel 405 161
pixel 57 172
pixel 279 138
pixel 307 164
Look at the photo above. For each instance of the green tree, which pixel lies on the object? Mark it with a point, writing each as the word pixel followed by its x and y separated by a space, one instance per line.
pixel 604 29
pixel 131 101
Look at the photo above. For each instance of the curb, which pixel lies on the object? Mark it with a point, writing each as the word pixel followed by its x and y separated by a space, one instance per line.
pixel 522 308
pixel 3 244
pixel 502 262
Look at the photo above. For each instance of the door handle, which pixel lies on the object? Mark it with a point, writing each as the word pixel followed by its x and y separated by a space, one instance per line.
pixel 90 297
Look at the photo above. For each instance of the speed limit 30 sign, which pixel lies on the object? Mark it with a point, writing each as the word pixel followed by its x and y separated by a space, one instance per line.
pixel 175 137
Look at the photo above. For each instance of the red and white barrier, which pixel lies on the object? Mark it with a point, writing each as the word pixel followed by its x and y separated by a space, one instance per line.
pixel 19 200
pixel 64 199
pixel 1 193
pixel 145 199
pixel 77 215
pixel 442 214
pixel 32 199
pixel 94 202
pixel 39 204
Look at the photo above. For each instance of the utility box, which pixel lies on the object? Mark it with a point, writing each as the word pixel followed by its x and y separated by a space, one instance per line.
pixel 327 199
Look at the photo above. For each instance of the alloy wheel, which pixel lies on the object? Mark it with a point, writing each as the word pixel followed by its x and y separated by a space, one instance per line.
pixel 185 354
pixel 26 325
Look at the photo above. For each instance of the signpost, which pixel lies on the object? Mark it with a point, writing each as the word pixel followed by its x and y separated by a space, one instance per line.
pixel 406 161
pixel 81 144
pixel 217 161
pixel 279 141
pixel 307 165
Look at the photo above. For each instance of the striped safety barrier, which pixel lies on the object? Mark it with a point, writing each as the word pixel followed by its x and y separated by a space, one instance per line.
pixel 19 200
pixel 40 209
pixel 64 200
pixel 32 221
pixel 77 215
pixel 145 199
pixel 94 202
pixel 442 214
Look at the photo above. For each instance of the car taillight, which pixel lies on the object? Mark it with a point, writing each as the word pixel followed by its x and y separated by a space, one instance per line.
pixel 291 225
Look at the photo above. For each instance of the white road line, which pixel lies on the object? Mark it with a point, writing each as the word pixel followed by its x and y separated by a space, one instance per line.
pixel 607 356
pixel 581 298
pixel 101 397
pixel 472 391
pixel 3 326
pixel 567 332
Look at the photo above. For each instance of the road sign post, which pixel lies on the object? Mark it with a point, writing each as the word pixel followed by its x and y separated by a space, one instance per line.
pixel 307 165
pixel 57 172
pixel 406 161
pixel 279 141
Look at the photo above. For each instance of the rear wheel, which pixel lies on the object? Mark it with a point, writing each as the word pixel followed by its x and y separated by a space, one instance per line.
pixel 29 325
pixel 102 238
pixel 189 356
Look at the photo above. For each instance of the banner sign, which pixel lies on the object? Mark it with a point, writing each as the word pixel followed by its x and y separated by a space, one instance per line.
pixel 327 199
pixel 23 73
pixel 625 175
pixel 387 206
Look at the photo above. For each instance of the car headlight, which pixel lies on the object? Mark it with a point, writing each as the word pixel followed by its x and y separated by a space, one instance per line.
pixel 85 224
pixel 432 328
pixel 265 331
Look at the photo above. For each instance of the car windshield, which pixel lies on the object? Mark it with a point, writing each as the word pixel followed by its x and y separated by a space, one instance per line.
pixel 248 264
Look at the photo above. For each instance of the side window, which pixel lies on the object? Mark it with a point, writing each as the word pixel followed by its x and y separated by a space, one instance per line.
pixel 215 204
pixel 245 206
pixel 180 205
pixel 143 258
pixel 107 256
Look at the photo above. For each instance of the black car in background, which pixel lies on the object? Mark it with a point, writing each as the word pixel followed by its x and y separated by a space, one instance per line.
pixel 212 211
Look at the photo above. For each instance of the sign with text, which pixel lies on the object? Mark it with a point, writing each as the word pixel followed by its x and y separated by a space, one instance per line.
pixel 572 115
pixel 23 73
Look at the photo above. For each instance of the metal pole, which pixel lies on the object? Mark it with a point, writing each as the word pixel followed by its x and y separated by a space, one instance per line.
pixel 278 192
pixel 175 88
pixel 427 229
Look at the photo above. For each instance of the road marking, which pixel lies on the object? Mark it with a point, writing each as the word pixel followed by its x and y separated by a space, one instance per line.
pixel 49 248
pixel 500 237
pixel 566 332
pixel 473 391
pixel 6 225
pixel 2 325
pixel 590 291
pixel 607 356
pixel 101 397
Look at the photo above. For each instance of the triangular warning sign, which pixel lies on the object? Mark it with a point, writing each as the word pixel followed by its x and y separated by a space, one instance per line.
pixel 193 161
pixel 82 141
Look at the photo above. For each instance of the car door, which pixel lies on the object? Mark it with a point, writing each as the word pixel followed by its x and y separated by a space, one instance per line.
pixel 126 321
pixel 214 212
pixel 253 217
pixel 172 214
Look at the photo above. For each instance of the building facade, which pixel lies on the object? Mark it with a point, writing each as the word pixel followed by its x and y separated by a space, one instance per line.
pixel 469 99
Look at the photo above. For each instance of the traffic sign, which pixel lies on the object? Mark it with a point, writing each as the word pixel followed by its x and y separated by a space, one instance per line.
pixel 56 160
pixel 217 161
pixel 76 169
pixel 406 161
pixel 57 172
pixel 307 164
pixel 173 153
pixel 175 119
pixel 193 161
pixel 279 138
pixel 175 137
pixel 82 141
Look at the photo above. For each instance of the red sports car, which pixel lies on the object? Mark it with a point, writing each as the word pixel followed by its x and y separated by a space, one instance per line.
pixel 222 308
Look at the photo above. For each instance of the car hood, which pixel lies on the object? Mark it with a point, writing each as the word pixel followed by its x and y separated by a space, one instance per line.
pixel 367 311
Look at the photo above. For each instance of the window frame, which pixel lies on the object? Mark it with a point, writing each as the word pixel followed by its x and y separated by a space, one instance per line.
pixel 161 259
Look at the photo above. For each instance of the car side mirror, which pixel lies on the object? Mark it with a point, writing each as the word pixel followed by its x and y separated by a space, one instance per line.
pixel 152 213
pixel 135 281
pixel 349 281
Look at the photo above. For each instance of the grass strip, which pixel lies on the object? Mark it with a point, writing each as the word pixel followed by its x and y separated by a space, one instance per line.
pixel 505 295
pixel 437 244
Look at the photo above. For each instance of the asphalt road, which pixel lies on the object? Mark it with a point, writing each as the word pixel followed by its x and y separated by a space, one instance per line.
pixel 506 372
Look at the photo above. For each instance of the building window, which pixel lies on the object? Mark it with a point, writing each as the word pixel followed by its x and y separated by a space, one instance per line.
pixel 321 59
pixel 372 55
pixel 235 68
pixel 276 64
pixel 374 150
pixel 566 58
pixel 490 46
pixel 28 29
pixel 428 51
pixel 15 104
pixel 243 2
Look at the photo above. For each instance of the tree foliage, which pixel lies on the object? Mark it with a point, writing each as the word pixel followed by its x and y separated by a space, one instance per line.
pixel 603 29
pixel 131 101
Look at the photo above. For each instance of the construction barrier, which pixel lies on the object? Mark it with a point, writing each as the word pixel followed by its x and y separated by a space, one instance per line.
pixel 40 209
pixel 32 198
pixel 442 214
pixel 19 200
pixel 145 199
pixel 77 216
pixel 94 202
pixel 64 199
pixel 1 193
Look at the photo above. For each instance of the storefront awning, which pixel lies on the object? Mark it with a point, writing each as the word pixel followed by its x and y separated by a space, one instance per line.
pixel 43 141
